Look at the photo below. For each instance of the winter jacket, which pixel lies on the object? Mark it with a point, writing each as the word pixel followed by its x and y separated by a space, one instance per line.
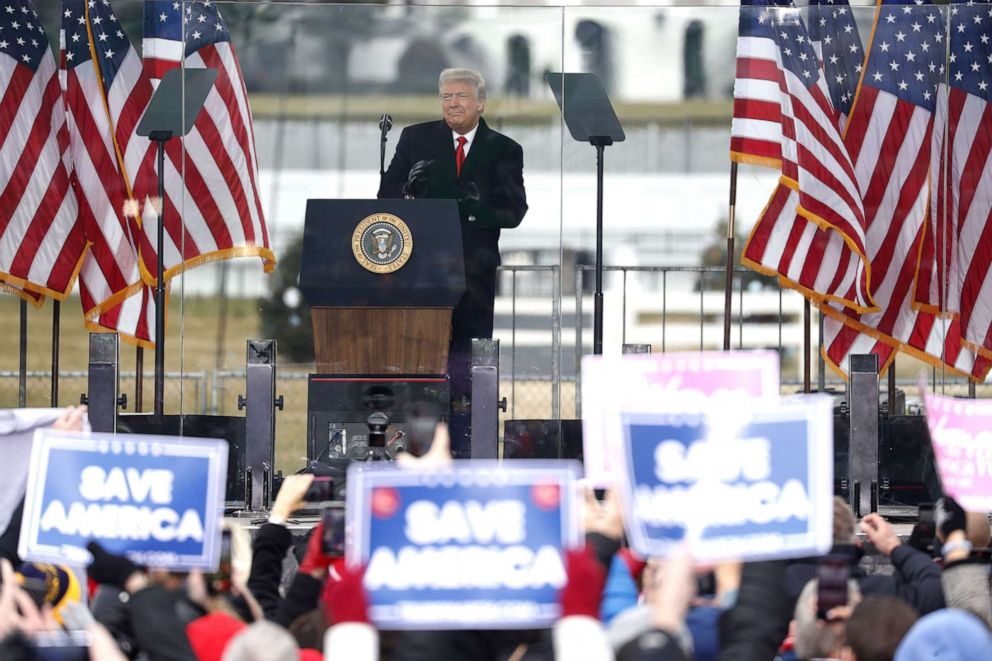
pixel 916 579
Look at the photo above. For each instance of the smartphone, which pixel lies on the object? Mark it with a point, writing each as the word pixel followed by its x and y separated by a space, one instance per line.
pixel 220 581
pixel 321 490
pixel 832 573
pixel 61 645
pixel 332 543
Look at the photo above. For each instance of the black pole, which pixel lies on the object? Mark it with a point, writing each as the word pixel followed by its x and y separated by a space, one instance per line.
pixel 56 328
pixel 821 364
pixel 892 387
pixel 139 379
pixel 728 288
pixel 600 144
pixel 22 377
pixel 160 137
pixel 222 323
pixel 807 387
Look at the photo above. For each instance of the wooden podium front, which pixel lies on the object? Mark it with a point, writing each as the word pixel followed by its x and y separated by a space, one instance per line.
pixel 381 340
pixel 368 319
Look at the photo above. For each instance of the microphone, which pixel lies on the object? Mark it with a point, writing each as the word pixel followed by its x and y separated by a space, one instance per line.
pixel 385 123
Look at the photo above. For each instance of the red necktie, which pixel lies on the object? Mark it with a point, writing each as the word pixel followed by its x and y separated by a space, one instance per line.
pixel 460 154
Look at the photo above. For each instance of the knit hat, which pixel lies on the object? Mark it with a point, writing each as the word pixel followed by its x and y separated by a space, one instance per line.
pixel 210 634
pixel 61 585
pixel 947 634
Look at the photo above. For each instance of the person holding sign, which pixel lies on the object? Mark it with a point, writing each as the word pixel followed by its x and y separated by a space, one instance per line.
pixel 149 609
pixel 916 579
pixel 17 429
pixel 272 541
pixel 965 579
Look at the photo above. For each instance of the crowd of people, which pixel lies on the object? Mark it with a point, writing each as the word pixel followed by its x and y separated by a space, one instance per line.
pixel 281 597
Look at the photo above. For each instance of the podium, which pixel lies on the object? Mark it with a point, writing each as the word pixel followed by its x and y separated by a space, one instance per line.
pixel 377 317
pixel 381 278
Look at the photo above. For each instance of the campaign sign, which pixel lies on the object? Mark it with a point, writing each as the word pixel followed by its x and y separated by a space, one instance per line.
pixel 475 546
pixel 720 377
pixel 156 499
pixel 961 435
pixel 752 481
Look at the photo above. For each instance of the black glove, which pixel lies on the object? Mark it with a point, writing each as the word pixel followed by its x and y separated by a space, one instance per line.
pixel 416 181
pixel 109 569
pixel 948 516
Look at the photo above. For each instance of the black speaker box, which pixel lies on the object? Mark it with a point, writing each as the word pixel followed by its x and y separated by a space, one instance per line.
pixel 338 408
pixel 230 428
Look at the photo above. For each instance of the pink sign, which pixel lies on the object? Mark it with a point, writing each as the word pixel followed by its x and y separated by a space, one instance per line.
pixel 961 434
pixel 638 381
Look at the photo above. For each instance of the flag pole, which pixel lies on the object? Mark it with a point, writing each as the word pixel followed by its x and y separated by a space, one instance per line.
pixel 56 329
pixel 892 387
pixel 728 288
pixel 821 364
pixel 22 377
pixel 160 138
pixel 222 322
pixel 139 378
pixel 806 346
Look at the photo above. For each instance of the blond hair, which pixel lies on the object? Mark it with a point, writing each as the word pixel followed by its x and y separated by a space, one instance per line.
pixel 470 76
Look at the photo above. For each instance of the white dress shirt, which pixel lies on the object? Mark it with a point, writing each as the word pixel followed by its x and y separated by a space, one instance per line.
pixel 470 137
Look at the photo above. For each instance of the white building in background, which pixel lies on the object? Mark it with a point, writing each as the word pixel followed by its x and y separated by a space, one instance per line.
pixel 645 52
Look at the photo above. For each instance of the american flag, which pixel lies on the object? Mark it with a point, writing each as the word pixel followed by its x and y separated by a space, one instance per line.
pixel 41 245
pixel 811 232
pixel 836 39
pixel 889 138
pixel 937 288
pixel 962 236
pixel 104 98
pixel 33 297
pixel 135 313
pixel 213 210
pixel 815 261
pixel 756 128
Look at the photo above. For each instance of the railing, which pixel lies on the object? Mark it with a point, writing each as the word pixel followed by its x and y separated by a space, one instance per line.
pixel 72 383
pixel 210 391
pixel 555 333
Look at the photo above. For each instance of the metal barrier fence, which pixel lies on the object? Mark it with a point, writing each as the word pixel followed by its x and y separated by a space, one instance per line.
pixel 510 352
pixel 186 391
pixel 707 308
pixel 531 312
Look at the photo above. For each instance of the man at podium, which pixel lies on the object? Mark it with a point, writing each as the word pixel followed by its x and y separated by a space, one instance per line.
pixel 459 157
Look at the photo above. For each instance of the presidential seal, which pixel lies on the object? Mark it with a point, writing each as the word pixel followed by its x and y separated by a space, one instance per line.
pixel 382 243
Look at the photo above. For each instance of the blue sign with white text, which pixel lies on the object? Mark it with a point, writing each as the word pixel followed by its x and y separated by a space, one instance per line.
pixel 479 545
pixel 155 499
pixel 748 485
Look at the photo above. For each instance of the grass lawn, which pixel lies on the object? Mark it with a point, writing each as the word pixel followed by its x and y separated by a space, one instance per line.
pixel 192 346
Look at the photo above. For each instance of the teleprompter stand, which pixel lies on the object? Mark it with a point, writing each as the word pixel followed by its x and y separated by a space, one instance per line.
pixel 171 112
pixel 590 118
